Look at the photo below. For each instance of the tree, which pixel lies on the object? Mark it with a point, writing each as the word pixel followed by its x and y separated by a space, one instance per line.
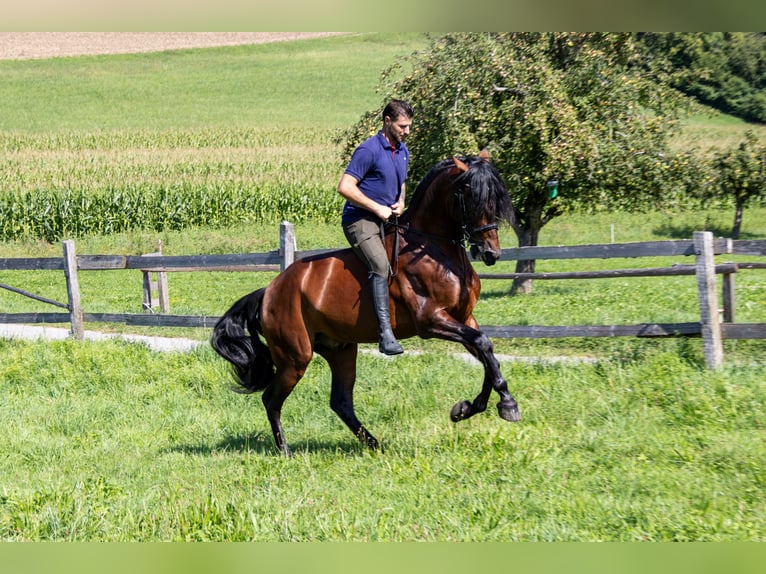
pixel 723 70
pixel 741 176
pixel 579 109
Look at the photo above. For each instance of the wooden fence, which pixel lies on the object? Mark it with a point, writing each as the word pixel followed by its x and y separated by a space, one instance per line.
pixel 703 248
pixel 712 327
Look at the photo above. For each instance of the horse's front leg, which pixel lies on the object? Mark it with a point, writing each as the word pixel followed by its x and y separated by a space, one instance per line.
pixel 507 408
pixel 480 346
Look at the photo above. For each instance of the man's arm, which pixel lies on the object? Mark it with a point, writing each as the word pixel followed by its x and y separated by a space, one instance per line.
pixel 349 189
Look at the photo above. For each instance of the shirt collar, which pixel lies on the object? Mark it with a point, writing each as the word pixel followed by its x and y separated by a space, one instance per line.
pixel 385 143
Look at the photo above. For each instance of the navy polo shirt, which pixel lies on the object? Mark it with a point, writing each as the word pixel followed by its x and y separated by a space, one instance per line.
pixel 380 170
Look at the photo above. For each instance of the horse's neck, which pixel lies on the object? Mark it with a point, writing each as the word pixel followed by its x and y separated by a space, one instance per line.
pixel 432 216
pixel 434 231
pixel 437 225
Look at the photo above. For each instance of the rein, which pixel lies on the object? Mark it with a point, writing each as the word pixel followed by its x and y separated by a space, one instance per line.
pixel 406 228
pixel 463 241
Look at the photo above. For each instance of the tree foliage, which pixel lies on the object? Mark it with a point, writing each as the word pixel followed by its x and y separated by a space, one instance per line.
pixel 581 109
pixel 741 176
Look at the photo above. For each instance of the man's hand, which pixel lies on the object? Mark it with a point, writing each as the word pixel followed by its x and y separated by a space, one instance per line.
pixel 384 212
pixel 398 208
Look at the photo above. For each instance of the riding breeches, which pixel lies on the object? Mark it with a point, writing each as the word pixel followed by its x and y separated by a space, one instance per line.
pixel 364 237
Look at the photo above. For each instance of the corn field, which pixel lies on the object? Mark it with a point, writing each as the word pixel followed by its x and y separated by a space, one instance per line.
pixel 59 185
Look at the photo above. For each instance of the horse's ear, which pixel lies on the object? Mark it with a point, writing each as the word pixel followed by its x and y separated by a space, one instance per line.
pixel 459 167
pixel 484 154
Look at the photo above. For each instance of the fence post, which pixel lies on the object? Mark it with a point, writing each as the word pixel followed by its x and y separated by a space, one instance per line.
pixel 729 292
pixel 286 245
pixel 708 298
pixel 729 298
pixel 160 285
pixel 73 290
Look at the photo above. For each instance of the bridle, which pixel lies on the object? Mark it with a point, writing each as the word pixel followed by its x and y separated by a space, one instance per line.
pixel 469 232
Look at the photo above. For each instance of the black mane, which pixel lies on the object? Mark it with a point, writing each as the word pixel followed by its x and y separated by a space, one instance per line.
pixel 485 192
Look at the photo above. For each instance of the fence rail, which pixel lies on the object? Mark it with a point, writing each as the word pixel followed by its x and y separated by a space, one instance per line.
pixel 703 248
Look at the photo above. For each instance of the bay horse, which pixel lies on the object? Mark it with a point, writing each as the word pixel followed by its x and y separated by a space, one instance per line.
pixel 321 304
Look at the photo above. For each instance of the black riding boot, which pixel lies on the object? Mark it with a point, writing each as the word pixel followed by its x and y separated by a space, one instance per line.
pixel 388 345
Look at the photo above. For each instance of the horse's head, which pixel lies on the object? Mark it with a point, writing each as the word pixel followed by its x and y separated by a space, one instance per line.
pixel 481 200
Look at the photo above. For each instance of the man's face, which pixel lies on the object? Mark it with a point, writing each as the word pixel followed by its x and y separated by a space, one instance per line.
pixel 397 130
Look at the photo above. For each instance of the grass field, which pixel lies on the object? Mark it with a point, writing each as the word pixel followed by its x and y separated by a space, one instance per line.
pixel 323 83
pixel 114 442
pixel 110 441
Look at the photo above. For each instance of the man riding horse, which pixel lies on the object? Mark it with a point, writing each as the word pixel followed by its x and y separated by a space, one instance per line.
pixel 322 303
pixel 374 189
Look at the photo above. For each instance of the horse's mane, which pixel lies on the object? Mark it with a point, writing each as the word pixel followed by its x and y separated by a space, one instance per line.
pixel 483 186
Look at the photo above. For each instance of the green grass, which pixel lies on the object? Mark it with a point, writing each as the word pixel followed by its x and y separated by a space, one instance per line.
pixel 171 140
pixel 714 131
pixel 287 84
pixel 111 441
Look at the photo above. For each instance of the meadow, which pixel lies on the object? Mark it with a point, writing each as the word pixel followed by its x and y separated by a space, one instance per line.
pixel 620 439
pixel 114 442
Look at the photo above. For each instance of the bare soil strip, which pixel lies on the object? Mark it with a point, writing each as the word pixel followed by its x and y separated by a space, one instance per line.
pixel 36 45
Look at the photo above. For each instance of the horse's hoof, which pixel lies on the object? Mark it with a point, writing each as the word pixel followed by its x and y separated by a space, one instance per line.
pixel 460 411
pixel 509 412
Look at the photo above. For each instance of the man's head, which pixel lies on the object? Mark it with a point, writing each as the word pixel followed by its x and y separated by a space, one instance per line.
pixel 397 119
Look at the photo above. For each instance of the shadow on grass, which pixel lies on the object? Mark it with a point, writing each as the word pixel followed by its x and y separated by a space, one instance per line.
pixel 541 288
pixel 686 231
pixel 263 443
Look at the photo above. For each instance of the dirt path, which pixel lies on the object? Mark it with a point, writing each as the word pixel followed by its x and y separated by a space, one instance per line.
pixel 181 345
pixel 46 333
pixel 35 45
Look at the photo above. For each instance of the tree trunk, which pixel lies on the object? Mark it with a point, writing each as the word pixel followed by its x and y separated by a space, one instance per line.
pixel 527 237
pixel 538 211
pixel 737 219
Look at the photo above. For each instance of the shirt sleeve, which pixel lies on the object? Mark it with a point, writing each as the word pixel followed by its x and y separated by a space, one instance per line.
pixel 360 164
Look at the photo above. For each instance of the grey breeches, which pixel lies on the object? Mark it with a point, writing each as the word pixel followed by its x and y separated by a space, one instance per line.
pixel 364 238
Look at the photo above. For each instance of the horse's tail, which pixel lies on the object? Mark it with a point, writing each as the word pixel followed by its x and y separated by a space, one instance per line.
pixel 253 367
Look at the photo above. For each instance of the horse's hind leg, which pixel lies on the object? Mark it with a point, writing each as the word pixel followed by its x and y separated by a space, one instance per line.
pixel 274 397
pixel 343 367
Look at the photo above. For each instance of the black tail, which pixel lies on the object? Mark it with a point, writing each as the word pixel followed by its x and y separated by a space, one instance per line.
pixel 253 367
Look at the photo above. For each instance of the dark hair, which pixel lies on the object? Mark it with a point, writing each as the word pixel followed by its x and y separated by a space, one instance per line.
pixel 398 108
